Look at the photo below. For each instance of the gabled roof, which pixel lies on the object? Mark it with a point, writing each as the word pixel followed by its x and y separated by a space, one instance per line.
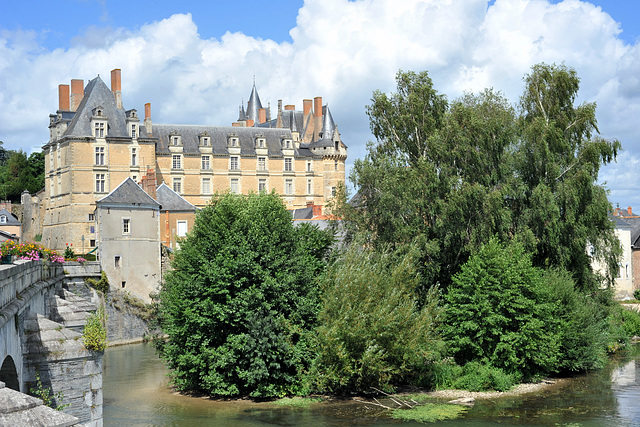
pixel 11 220
pixel 172 201
pixel 129 193
pixel 97 94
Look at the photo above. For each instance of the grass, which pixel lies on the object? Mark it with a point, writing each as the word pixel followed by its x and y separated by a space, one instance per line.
pixel 297 402
pixel 430 413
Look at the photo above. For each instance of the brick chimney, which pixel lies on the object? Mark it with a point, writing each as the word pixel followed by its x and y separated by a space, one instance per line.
pixel 306 106
pixel 63 97
pixel 77 93
pixel 290 107
pixel 249 123
pixel 317 117
pixel 317 210
pixel 148 127
pixel 149 183
pixel 629 211
pixel 116 86
pixel 262 115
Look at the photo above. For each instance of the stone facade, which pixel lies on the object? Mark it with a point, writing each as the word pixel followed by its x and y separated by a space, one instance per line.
pixel 95 144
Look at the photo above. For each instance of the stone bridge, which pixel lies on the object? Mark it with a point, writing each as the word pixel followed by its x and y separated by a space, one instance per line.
pixel 41 326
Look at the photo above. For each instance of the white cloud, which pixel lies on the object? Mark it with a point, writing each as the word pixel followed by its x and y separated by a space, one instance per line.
pixel 341 50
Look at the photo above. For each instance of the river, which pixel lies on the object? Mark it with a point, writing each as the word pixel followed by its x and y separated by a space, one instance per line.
pixel 136 393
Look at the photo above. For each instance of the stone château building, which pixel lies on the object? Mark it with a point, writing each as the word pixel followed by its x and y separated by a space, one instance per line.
pixel 95 144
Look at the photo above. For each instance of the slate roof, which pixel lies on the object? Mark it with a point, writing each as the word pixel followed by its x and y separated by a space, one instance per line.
pixel 11 220
pixel 172 201
pixel 254 105
pixel 129 193
pixel 97 94
pixel 190 137
pixel 303 213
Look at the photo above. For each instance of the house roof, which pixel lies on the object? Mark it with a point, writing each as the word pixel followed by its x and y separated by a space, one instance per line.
pixel 129 193
pixel 172 201
pixel 97 94
pixel 11 219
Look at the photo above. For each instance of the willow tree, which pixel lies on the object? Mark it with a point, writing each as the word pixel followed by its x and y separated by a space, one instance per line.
pixel 448 176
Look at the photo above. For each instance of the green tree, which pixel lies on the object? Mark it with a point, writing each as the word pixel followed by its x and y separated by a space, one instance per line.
pixel 242 298
pixel 373 329
pixel 19 173
pixel 498 311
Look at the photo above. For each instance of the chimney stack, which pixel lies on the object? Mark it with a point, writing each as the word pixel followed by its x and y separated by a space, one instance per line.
pixel 147 119
pixel 317 117
pixel 306 106
pixel 249 123
pixel 290 107
pixel 77 93
pixel 262 115
pixel 63 97
pixel 149 183
pixel 629 211
pixel 116 86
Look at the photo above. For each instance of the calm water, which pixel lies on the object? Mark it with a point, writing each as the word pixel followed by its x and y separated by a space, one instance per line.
pixel 136 394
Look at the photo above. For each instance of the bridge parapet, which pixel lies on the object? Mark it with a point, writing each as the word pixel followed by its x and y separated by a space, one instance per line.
pixel 16 278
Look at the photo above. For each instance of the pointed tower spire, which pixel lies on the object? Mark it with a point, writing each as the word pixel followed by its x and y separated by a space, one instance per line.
pixel 254 105
pixel 328 125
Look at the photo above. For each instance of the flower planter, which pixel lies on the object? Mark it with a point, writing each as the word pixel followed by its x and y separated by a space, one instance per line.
pixel 6 259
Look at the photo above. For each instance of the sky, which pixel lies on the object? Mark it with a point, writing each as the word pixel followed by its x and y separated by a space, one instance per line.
pixel 195 62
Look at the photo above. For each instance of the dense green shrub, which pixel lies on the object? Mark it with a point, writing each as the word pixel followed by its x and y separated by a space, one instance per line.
pixel 101 285
pixel 242 298
pixel 498 312
pixel 477 377
pixel 94 334
pixel 374 331
pixel 636 294
pixel 627 320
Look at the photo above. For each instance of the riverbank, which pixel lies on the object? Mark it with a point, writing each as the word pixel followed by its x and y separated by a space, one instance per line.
pixel 518 390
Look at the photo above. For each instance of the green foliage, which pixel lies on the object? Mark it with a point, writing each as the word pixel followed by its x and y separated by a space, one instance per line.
pixel 636 294
pixel 297 402
pixel 19 172
pixel 499 312
pixel 443 373
pixel 430 412
pixel 374 331
pixel 94 334
pixel 446 178
pixel 242 299
pixel 46 394
pixel 628 320
pixel 101 285
pixel 69 253
pixel 478 377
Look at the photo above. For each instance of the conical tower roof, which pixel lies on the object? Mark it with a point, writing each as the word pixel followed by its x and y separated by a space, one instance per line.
pixel 254 105
pixel 328 125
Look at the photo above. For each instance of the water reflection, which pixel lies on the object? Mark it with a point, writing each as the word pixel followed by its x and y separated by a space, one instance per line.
pixel 136 393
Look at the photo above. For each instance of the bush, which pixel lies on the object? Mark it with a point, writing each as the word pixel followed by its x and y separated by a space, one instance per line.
pixel 94 334
pixel 636 294
pixel 374 331
pixel 478 377
pixel 242 298
pixel 498 312
pixel 101 285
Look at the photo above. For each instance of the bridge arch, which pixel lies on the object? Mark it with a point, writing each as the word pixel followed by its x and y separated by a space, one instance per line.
pixel 9 374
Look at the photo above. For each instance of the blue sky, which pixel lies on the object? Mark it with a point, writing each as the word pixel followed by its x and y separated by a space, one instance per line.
pixel 195 61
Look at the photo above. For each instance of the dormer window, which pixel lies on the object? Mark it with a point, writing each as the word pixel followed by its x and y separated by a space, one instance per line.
pixel 337 145
pixel 234 141
pixel 261 143
pixel 99 129
pixel 175 139
pixel 134 130
pixel 287 144
pixel 206 141
pixel 3 219
pixel 98 112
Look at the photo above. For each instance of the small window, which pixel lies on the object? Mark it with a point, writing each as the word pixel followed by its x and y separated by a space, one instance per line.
pixel 288 164
pixel 92 243
pixel 335 165
pixel 205 162
pixel 92 217
pixel 262 163
pixel 100 156
pixel 288 186
pixel 99 130
pixel 337 145
pixel 309 186
pixel 99 183
pixel 309 166
pixel 262 185
pixel 3 219
pixel 126 225
pixel 206 185
pixel 116 261
pixel 134 131
pixel 134 157
pixel 333 191
pixel 234 164
pixel 205 140
pixel 177 185
pixel 182 228
pixel 124 283
pixel 235 186
pixel 175 140
pixel 233 142
pixel 176 162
